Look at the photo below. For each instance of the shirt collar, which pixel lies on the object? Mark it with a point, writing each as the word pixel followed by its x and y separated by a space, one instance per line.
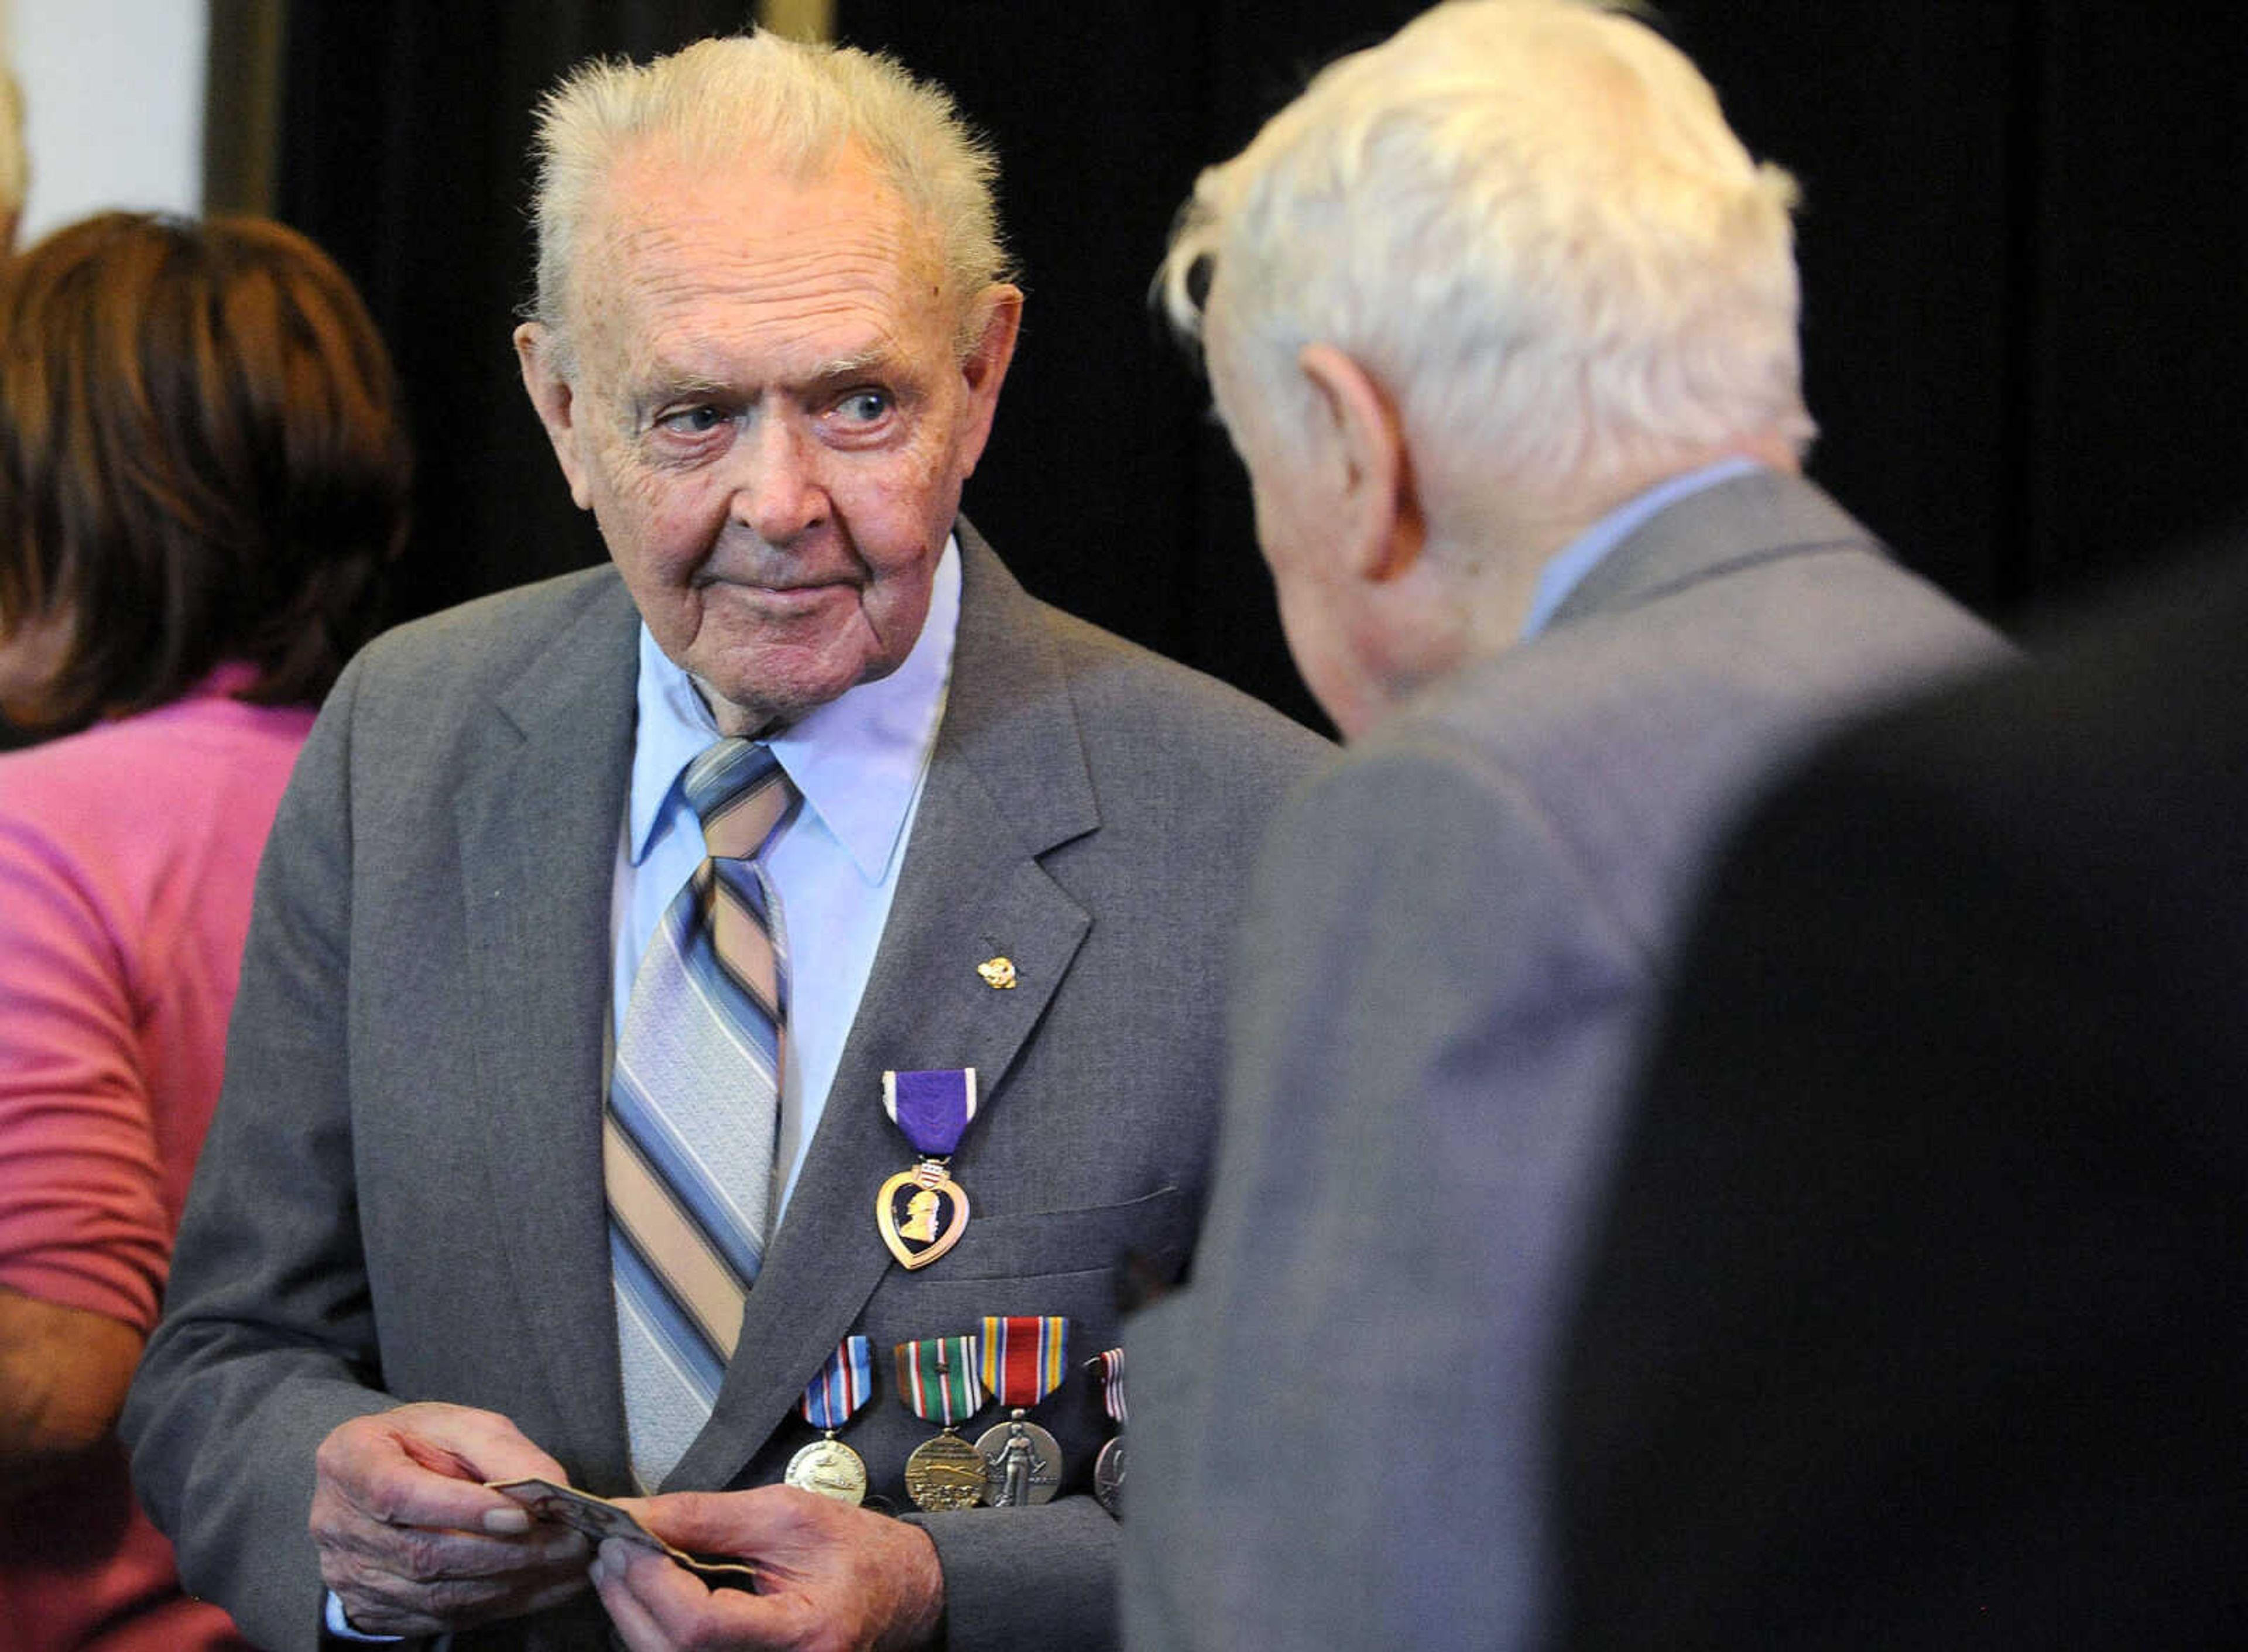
pixel 857 760
pixel 1566 569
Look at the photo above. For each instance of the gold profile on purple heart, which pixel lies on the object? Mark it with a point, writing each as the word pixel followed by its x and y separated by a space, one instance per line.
pixel 922 1213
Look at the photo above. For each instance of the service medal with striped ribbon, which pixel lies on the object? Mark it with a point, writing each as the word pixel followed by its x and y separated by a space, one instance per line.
pixel 831 1399
pixel 937 1382
pixel 1108 1467
pixel 1025 1360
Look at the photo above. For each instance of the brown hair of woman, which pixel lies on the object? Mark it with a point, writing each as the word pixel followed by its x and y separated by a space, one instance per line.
pixel 201 461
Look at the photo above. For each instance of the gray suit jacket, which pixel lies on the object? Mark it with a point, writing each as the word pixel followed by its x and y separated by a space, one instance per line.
pixel 1452 936
pixel 402 1197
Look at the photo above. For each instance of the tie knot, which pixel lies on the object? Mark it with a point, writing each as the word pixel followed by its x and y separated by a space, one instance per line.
pixel 739 793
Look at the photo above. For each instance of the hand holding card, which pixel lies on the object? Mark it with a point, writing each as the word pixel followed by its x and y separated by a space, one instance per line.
pixel 600 1519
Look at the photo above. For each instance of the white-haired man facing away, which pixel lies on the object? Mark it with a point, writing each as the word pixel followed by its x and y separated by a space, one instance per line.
pixel 1502 318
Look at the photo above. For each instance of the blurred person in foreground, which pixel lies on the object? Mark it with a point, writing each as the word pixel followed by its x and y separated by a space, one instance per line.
pixel 770 334
pixel 1502 318
pixel 1918 1312
pixel 201 478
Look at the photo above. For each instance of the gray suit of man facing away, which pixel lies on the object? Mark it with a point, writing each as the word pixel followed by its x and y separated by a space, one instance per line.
pixel 1502 318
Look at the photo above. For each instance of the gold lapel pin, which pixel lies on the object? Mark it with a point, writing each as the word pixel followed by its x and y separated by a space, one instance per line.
pixel 998 973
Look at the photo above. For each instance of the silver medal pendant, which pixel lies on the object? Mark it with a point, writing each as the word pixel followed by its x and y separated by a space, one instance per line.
pixel 1022 1463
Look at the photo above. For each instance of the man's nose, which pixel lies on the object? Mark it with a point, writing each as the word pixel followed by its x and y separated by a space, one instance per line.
pixel 778 492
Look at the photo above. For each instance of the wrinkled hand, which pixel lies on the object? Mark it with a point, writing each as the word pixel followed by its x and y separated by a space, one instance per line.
pixel 829 1576
pixel 412 1545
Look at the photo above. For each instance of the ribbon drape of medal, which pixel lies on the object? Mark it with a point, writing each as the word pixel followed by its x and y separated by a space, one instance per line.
pixel 922 1212
pixel 843 1384
pixel 1025 1360
pixel 1108 1467
pixel 937 1378
pixel 937 1382
pixel 1109 1368
pixel 830 1399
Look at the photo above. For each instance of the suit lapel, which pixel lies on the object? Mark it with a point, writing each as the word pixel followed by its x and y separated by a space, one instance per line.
pixel 1007 782
pixel 1749 519
pixel 537 854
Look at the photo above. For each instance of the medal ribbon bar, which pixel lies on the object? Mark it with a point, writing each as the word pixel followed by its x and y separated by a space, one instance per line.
pixel 937 1379
pixel 843 1384
pixel 1110 1365
pixel 933 1108
pixel 1024 1357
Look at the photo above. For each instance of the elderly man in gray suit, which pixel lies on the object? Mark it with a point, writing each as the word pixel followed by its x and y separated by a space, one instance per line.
pixel 558 1138
pixel 1502 318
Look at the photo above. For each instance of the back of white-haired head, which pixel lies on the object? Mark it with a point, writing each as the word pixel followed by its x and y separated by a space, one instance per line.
pixel 785 104
pixel 1528 219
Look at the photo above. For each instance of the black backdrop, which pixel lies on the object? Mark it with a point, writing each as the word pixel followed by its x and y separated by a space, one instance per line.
pixel 2020 242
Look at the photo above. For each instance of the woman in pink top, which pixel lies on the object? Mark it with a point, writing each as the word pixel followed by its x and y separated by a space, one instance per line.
pixel 201 478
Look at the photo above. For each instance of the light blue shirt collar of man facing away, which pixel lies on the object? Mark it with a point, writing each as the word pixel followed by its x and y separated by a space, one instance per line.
pixel 1566 569
pixel 859 762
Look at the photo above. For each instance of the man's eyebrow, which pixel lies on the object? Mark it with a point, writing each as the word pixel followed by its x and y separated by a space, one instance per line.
pixel 851 365
pixel 664 385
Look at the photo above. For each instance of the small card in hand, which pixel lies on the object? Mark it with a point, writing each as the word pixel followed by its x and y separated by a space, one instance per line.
pixel 599 1519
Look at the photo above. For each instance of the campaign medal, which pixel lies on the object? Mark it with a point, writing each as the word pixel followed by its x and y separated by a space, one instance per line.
pixel 1025 1360
pixel 1108 1467
pixel 921 1211
pixel 830 1399
pixel 936 1381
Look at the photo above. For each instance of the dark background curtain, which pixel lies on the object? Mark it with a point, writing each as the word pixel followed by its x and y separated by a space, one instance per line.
pixel 2020 243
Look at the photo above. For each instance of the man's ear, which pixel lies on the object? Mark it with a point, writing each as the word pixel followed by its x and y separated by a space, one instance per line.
pixel 555 399
pixel 1377 517
pixel 984 366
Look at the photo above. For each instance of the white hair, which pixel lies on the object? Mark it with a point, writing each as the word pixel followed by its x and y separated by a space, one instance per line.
pixel 793 106
pixel 1529 221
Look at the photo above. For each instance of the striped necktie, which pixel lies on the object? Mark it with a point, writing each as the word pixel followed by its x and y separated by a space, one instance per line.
pixel 694 1107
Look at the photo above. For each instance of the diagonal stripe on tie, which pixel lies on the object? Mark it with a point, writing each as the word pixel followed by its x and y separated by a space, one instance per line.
pixel 694 1190
pixel 697 1271
pixel 688 1137
pixel 743 945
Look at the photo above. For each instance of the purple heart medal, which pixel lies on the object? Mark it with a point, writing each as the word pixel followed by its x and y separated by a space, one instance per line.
pixel 921 1211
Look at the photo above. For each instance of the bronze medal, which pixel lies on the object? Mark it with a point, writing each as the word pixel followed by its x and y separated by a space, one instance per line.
pixel 945 1472
pixel 830 1399
pixel 1022 1463
pixel 830 1468
pixel 937 1383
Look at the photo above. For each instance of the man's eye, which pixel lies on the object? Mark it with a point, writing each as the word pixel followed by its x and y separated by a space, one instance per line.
pixel 692 421
pixel 864 407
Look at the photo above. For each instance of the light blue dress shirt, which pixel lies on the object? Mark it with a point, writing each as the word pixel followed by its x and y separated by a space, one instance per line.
pixel 1566 569
pixel 859 762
